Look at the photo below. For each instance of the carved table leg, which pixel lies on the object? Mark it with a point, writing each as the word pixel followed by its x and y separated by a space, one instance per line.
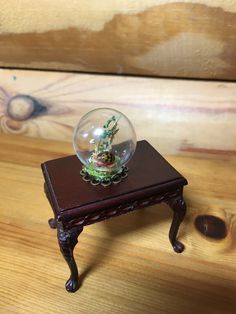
pixel 178 205
pixel 67 240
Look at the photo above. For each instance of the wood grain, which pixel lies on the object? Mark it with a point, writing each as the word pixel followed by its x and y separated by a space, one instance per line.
pixel 127 264
pixel 190 38
pixel 175 116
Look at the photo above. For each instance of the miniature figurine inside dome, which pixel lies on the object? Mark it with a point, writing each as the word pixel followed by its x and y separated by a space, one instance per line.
pixel 104 141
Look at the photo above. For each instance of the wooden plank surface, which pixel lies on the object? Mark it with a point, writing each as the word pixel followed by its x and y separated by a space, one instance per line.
pixel 176 116
pixel 188 38
pixel 127 263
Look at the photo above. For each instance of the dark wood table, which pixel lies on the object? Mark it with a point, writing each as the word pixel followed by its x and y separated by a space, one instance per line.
pixel 77 203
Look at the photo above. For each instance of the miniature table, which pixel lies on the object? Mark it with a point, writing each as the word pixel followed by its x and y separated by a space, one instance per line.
pixel 77 203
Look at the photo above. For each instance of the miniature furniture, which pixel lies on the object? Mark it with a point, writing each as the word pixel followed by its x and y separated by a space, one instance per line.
pixel 77 203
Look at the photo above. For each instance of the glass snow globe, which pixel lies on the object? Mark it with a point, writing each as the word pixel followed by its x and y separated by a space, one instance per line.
pixel 104 141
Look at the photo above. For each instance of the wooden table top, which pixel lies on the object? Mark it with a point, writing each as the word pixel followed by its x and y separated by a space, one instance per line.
pixel 127 264
pixel 149 174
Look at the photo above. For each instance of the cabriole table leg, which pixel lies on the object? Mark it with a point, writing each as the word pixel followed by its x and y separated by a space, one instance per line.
pixel 67 240
pixel 178 205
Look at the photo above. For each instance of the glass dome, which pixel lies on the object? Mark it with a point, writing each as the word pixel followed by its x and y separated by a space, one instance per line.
pixel 104 141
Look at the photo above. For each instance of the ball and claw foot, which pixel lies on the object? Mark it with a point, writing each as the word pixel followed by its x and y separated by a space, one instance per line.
pixel 72 285
pixel 178 247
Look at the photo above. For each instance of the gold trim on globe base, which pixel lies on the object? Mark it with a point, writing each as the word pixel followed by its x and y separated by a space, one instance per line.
pixel 115 179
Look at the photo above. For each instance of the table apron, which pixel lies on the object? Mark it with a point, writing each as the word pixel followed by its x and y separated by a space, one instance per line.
pixel 121 209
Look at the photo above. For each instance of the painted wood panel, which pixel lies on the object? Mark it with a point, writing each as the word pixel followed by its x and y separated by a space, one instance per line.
pixel 176 116
pixel 188 38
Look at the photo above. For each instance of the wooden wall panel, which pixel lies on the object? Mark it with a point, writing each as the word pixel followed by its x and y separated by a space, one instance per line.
pixel 188 38
pixel 176 116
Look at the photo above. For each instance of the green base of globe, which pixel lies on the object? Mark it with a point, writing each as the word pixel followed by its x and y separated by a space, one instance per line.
pixel 105 178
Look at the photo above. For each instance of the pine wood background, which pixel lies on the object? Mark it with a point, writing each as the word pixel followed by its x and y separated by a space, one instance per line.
pixel 127 263
pixel 188 38
pixel 175 116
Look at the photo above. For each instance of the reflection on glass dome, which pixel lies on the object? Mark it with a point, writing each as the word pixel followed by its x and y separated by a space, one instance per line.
pixel 104 141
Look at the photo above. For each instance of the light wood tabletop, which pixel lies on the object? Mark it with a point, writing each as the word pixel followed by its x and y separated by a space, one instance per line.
pixel 126 263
